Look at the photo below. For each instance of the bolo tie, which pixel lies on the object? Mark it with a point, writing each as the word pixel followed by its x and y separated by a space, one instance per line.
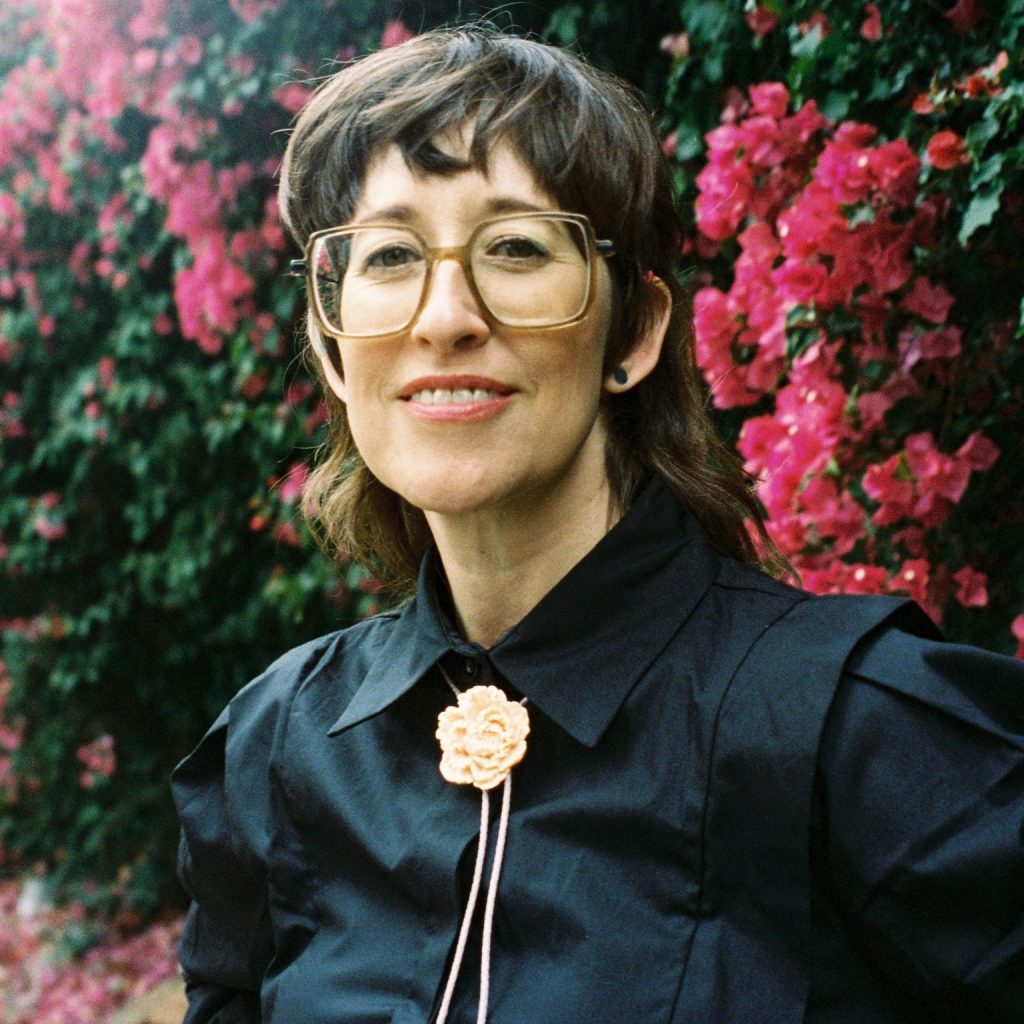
pixel 482 737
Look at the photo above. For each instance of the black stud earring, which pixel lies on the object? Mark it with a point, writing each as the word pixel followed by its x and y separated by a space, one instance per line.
pixel 619 375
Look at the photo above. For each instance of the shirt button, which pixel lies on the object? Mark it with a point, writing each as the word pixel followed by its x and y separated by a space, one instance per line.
pixel 470 668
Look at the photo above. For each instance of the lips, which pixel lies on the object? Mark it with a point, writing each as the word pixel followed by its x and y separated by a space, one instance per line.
pixel 459 389
pixel 447 396
pixel 455 397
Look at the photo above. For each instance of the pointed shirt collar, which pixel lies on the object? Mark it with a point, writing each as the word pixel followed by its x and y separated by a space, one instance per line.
pixel 580 651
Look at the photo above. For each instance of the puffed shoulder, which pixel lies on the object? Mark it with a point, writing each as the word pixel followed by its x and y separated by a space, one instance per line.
pixel 338 659
pixel 978 687
pixel 921 774
pixel 230 765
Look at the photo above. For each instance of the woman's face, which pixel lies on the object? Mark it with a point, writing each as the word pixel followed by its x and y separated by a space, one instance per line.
pixel 456 413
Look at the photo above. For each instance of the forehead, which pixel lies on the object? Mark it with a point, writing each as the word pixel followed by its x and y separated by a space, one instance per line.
pixel 392 189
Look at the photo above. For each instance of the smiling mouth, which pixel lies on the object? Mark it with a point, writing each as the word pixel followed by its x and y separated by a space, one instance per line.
pixel 454 396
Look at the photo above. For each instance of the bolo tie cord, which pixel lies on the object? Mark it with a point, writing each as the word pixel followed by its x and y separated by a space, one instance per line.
pixel 474 892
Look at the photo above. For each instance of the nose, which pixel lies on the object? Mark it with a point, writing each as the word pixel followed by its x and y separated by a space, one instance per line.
pixel 450 317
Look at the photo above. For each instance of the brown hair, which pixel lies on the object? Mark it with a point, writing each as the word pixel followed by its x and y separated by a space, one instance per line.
pixel 588 139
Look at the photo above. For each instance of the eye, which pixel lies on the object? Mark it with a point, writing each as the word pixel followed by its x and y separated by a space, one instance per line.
pixel 391 257
pixel 518 249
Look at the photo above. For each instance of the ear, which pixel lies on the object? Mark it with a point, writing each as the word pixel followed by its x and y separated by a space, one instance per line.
pixel 335 380
pixel 644 355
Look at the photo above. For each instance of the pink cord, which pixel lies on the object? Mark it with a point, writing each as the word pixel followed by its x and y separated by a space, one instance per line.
pixel 467 917
pixel 492 897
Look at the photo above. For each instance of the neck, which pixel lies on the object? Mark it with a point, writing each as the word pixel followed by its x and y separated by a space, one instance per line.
pixel 500 564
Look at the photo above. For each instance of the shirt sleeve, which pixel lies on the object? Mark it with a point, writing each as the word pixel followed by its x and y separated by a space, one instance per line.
pixel 921 790
pixel 227 941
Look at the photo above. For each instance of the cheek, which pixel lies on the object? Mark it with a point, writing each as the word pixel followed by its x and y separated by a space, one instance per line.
pixel 361 373
pixel 359 386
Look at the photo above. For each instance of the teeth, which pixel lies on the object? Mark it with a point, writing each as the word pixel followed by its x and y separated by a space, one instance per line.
pixel 445 396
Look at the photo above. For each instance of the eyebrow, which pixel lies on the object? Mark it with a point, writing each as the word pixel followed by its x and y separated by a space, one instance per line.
pixel 495 205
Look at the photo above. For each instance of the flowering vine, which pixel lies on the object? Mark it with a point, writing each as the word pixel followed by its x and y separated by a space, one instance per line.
pixel 840 331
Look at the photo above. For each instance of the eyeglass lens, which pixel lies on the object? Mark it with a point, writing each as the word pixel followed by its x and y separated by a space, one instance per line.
pixel 528 272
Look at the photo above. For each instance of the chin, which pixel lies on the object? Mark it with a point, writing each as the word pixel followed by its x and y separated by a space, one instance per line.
pixel 454 490
pixel 448 500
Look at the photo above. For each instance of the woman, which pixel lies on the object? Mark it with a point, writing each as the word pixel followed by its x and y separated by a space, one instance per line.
pixel 716 799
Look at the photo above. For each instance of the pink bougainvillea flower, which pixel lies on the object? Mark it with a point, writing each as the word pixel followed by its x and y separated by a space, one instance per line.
pixel 726 186
pixel 913 579
pixel 106 372
pixel 829 514
pixel 800 283
pixel 190 50
pixel 293 483
pixel 896 166
pixel 872 406
pixel 890 485
pixel 1017 629
pixel 866 579
pixel 286 533
pixel 292 96
pixel 917 346
pixel 964 15
pixel 871 26
pixel 253 386
pixel 946 150
pixel 676 46
pixel 945 343
pixel 946 475
pixel 979 451
pixel 212 295
pixel 927 300
pixel 252 10
pixel 48 529
pixel 770 99
pixel 761 20
pixel 149 21
pixel 813 225
pixel 395 33
pixel 144 61
pixel 98 756
pixel 242 64
pixel 923 104
pixel 845 171
pixel 985 80
pixel 972 587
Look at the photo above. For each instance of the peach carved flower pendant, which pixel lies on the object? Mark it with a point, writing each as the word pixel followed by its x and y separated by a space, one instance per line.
pixel 483 737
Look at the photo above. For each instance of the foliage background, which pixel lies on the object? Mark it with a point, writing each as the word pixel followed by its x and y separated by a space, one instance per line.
pixel 155 420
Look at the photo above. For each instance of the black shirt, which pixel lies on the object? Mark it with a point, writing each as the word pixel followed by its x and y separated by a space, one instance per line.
pixel 665 861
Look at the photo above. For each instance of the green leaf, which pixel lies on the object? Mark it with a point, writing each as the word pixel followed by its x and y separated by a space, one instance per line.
pixel 836 104
pixel 979 213
pixel 987 170
pixel 689 142
pixel 807 45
